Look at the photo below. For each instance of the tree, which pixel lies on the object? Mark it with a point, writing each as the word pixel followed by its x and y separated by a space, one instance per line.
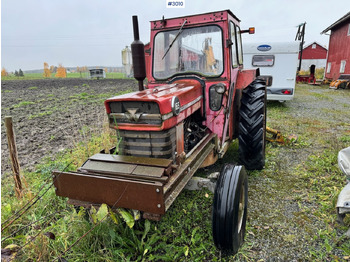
pixel 53 69
pixel 20 72
pixel 4 72
pixel 47 72
pixel 79 70
pixel 61 71
pixel 16 73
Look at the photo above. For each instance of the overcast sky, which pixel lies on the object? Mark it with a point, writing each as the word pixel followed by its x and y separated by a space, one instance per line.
pixel 93 33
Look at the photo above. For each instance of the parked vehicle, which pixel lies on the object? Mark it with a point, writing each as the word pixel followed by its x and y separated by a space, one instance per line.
pixel 278 65
pixel 197 100
pixel 342 82
pixel 343 203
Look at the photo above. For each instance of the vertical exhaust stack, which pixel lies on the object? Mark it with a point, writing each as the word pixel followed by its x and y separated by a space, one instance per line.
pixel 138 55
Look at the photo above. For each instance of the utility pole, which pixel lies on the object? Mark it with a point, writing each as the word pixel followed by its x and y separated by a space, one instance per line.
pixel 300 37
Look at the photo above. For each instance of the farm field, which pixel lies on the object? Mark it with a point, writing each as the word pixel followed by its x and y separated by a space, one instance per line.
pixel 50 115
pixel 291 212
pixel 82 76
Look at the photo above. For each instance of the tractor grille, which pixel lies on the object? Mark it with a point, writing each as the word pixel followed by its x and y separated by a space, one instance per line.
pixel 135 112
pixel 156 144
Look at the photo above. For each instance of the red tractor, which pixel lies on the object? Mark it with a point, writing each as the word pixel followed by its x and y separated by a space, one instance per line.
pixel 198 98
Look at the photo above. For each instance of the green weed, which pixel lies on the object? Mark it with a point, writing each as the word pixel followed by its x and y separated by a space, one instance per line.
pixel 23 103
pixel 46 113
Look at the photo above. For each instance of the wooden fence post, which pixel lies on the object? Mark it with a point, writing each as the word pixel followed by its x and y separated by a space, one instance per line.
pixel 13 155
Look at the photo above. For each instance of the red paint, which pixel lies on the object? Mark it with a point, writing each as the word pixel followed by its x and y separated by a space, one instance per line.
pixel 245 77
pixel 319 52
pixel 339 49
pixel 161 92
pixel 306 79
pixel 148 59
pixel 186 90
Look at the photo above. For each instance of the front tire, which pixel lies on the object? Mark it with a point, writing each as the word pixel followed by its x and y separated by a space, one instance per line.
pixel 229 214
pixel 252 126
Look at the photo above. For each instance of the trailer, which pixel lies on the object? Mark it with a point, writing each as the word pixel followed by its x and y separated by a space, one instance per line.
pixel 97 73
pixel 278 65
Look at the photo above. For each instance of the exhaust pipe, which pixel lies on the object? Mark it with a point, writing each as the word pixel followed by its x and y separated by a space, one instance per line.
pixel 138 55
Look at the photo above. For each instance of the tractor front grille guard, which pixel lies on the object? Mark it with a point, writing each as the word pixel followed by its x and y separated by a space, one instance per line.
pixel 154 144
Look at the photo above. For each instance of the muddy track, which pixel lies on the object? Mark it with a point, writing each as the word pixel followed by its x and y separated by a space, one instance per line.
pixel 49 115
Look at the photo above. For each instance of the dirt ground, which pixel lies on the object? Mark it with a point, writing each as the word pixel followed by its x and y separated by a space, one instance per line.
pixel 50 115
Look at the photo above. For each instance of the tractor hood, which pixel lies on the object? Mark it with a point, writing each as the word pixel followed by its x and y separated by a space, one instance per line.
pixel 155 109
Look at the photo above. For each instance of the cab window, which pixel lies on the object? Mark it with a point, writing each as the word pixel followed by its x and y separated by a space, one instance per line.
pixel 239 45
pixel 233 46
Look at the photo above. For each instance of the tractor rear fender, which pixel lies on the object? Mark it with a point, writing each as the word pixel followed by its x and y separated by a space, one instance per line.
pixel 245 77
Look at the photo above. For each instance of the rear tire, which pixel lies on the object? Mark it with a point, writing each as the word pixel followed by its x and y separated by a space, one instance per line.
pixel 229 214
pixel 252 126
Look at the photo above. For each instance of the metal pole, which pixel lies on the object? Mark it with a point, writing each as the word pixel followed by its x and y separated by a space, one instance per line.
pixel 301 45
pixel 13 155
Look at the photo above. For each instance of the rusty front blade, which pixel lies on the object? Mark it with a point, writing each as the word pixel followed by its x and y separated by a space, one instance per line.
pixel 115 192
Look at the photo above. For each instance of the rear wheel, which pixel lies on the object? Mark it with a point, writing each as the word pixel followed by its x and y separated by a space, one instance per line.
pixel 252 126
pixel 230 209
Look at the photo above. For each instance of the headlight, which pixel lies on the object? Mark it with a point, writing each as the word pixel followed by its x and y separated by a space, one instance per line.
pixel 216 93
pixel 220 88
pixel 175 105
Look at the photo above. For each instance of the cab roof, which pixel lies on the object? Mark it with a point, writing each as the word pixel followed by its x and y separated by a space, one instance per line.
pixel 203 18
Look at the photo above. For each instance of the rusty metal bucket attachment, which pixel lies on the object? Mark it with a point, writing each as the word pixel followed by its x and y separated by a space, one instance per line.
pixel 119 181
pixel 149 185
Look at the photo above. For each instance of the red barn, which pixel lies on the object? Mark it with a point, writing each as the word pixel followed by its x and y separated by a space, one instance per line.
pixel 338 60
pixel 313 54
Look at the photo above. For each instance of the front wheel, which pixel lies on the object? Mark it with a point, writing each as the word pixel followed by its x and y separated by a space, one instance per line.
pixel 230 208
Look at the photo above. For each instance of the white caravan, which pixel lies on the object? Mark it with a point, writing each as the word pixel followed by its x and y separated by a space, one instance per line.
pixel 278 64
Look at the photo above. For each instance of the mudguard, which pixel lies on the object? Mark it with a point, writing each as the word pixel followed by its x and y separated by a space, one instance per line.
pixel 245 77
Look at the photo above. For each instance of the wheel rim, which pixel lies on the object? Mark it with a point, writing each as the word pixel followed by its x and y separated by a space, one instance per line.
pixel 241 208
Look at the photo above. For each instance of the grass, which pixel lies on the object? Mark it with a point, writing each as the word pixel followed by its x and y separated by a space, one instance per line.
pixel 46 113
pixel 109 75
pixel 319 73
pixel 23 103
pixel 291 208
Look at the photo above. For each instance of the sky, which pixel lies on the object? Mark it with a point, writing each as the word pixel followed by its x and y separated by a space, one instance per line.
pixel 93 33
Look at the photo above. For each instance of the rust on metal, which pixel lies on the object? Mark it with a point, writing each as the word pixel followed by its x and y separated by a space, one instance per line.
pixel 180 138
pixel 146 161
pixel 139 195
pixel 97 165
pixel 111 168
pixel 184 173
pixel 210 159
pixel 148 171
